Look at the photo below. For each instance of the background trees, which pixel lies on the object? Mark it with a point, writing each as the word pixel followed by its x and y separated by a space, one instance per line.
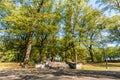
pixel 30 31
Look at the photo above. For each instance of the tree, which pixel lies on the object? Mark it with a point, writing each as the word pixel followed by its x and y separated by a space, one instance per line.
pixel 18 17
pixel 71 18
pixel 31 19
pixel 114 30
pixel 31 28
pixel 90 31
pixel 113 22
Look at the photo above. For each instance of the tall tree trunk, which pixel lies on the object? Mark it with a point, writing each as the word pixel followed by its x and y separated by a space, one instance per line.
pixel 73 43
pixel 52 57
pixel 64 55
pixel 91 53
pixel 65 51
pixel 90 47
pixel 41 55
pixel 4 46
pixel 28 50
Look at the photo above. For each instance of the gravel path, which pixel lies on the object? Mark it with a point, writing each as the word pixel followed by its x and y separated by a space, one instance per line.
pixel 58 75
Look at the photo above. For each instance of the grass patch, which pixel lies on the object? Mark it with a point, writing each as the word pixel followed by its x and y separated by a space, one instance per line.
pixel 101 66
pixel 9 65
pixel 91 66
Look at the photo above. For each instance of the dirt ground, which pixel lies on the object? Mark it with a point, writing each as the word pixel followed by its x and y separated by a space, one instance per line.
pixel 52 74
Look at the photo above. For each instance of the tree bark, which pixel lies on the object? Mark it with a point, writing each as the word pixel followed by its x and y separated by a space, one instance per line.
pixel 28 50
pixel 91 53
pixel 41 47
pixel 41 55
pixel 73 44
pixel 90 47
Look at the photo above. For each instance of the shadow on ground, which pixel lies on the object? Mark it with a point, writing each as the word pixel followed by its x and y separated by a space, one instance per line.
pixel 51 74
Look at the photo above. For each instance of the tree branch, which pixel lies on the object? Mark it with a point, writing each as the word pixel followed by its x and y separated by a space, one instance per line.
pixel 40 5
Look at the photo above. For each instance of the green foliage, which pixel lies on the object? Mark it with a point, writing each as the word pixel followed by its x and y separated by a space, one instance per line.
pixel 8 57
pixel 82 55
pixel 34 55
pixel 113 52
pixel 38 30
pixel 99 55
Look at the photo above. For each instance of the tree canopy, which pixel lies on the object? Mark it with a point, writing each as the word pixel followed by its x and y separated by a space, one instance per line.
pixel 38 30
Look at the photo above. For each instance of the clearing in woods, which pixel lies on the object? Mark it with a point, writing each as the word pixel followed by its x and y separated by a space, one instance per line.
pixel 12 71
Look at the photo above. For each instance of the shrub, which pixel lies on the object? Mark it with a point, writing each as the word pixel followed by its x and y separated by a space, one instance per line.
pixel 8 57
